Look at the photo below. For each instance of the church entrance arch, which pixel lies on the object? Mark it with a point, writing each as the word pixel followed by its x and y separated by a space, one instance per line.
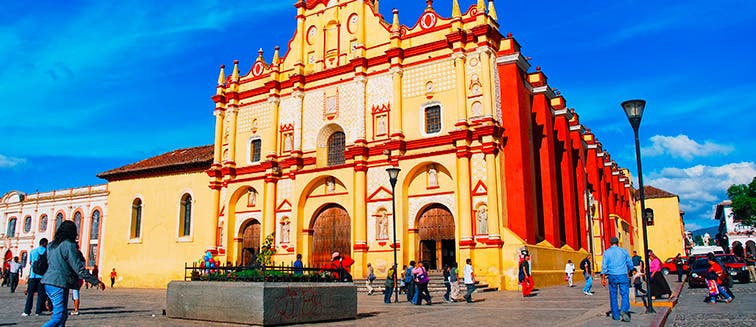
pixel 331 232
pixel 436 234
pixel 250 242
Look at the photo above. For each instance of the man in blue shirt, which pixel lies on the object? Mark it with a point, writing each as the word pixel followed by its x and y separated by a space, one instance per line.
pixel 615 267
pixel 297 267
pixel 33 284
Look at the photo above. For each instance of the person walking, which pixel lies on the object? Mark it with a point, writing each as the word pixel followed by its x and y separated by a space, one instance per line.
pixel 447 283
pixel 298 267
pixel 614 269
pixel 469 279
pixel 370 279
pixel 15 271
pixel 421 284
pixel 113 276
pixel 64 270
pixel 679 267
pixel 569 271
pixel 524 277
pixel 659 285
pixel 33 285
pixel 587 267
pixel 409 282
pixel 389 285
pixel 95 272
pixel 454 281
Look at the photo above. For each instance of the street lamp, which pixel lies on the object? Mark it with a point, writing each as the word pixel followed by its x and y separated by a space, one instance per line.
pixel 634 111
pixel 393 173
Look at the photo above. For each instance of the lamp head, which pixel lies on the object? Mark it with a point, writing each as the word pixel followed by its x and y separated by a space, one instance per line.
pixel 393 173
pixel 634 111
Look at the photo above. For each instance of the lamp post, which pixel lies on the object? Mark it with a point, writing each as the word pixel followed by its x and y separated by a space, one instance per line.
pixel 393 173
pixel 634 111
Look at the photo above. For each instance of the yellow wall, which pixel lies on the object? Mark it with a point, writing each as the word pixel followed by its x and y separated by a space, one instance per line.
pixel 665 237
pixel 159 255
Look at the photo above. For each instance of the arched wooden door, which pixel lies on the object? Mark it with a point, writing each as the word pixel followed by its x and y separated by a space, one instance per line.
pixel 331 232
pixel 250 243
pixel 436 234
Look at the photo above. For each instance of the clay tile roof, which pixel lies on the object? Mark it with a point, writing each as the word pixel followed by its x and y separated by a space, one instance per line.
pixel 181 160
pixel 651 192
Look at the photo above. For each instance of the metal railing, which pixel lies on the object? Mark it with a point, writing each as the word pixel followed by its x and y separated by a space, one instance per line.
pixel 258 273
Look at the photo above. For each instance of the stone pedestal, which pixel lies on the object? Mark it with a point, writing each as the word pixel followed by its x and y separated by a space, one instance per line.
pixel 261 303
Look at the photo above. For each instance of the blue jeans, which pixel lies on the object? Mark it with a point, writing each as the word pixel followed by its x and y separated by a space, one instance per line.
pixel 387 294
pixel 59 298
pixel 622 283
pixel 588 282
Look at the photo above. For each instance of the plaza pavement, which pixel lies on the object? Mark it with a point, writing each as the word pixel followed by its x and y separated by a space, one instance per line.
pixel 552 306
pixel 692 311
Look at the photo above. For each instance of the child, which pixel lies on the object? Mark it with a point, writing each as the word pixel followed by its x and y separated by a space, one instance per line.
pixel 711 283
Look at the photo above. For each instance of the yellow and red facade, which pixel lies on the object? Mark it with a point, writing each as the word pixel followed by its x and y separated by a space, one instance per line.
pixel 490 156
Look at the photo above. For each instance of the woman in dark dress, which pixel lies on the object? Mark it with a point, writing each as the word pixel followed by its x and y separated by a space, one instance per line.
pixel 659 285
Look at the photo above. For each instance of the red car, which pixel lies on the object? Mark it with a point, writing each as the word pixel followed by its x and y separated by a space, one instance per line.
pixel 669 266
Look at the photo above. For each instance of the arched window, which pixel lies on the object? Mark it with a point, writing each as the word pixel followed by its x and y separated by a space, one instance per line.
pixel 43 223
pixel 11 230
pixel 58 221
pixel 24 258
pixel 336 146
pixel 27 224
pixel 185 216
pixel 94 229
pixel 77 221
pixel 136 218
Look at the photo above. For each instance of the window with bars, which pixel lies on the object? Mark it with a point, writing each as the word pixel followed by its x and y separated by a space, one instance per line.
pixel 336 144
pixel 186 215
pixel 94 229
pixel 43 223
pixel 254 150
pixel 432 119
pixel 27 224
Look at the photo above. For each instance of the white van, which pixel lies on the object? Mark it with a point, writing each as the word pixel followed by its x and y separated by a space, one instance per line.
pixel 706 249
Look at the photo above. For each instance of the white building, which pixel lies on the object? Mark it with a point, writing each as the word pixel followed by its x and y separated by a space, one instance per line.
pixel 27 218
pixel 740 238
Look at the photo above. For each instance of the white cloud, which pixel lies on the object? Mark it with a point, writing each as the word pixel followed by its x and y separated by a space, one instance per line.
pixel 10 162
pixel 692 226
pixel 702 186
pixel 681 146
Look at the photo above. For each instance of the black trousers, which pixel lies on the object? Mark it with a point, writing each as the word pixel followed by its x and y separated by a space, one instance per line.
pixel 13 282
pixel 34 286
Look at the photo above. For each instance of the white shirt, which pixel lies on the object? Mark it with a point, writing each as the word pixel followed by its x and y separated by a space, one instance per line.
pixel 14 267
pixel 569 268
pixel 469 274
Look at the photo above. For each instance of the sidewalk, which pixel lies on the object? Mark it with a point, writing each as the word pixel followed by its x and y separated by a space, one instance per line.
pixel 552 306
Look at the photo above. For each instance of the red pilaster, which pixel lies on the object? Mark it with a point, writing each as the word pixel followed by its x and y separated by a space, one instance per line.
pixel 579 151
pixel 546 171
pixel 518 158
pixel 567 178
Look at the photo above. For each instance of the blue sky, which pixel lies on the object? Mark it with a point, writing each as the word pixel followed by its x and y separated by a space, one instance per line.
pixel 88 86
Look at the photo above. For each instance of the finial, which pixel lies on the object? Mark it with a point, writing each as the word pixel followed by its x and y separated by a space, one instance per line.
pixel 481 7
pixel 235 73
pixel 430 4
pixel 492 10
pixel 260 54
pixel 509 35
pixel 395 27
pixel 375 6
pixel 455 9
pixel 276 58
pixel 222 75
pixel 538 68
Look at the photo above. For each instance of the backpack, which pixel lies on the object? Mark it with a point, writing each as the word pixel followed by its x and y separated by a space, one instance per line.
pixel 408 276
pixel 39 267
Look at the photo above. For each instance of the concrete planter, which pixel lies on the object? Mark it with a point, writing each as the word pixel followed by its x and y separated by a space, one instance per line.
pixel 264 304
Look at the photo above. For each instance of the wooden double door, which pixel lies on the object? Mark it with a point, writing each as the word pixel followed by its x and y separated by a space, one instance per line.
pixel 331 232
pixel 436 234
pixel 250 243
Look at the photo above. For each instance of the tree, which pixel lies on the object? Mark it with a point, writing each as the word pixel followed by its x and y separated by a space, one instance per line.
pixel 698 240
pixel 267 251
pixel 743 199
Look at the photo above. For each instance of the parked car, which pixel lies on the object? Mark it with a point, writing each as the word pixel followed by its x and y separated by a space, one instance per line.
pixel 735 267
pixel 698 271
pixel 669 266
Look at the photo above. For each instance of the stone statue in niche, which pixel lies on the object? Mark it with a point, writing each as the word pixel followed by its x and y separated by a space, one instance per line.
pixel 381 125
pixel 285 230
pixel 432 176
pixel 382 226
pixel 330 185
pixel 482 220
pixel 252 201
